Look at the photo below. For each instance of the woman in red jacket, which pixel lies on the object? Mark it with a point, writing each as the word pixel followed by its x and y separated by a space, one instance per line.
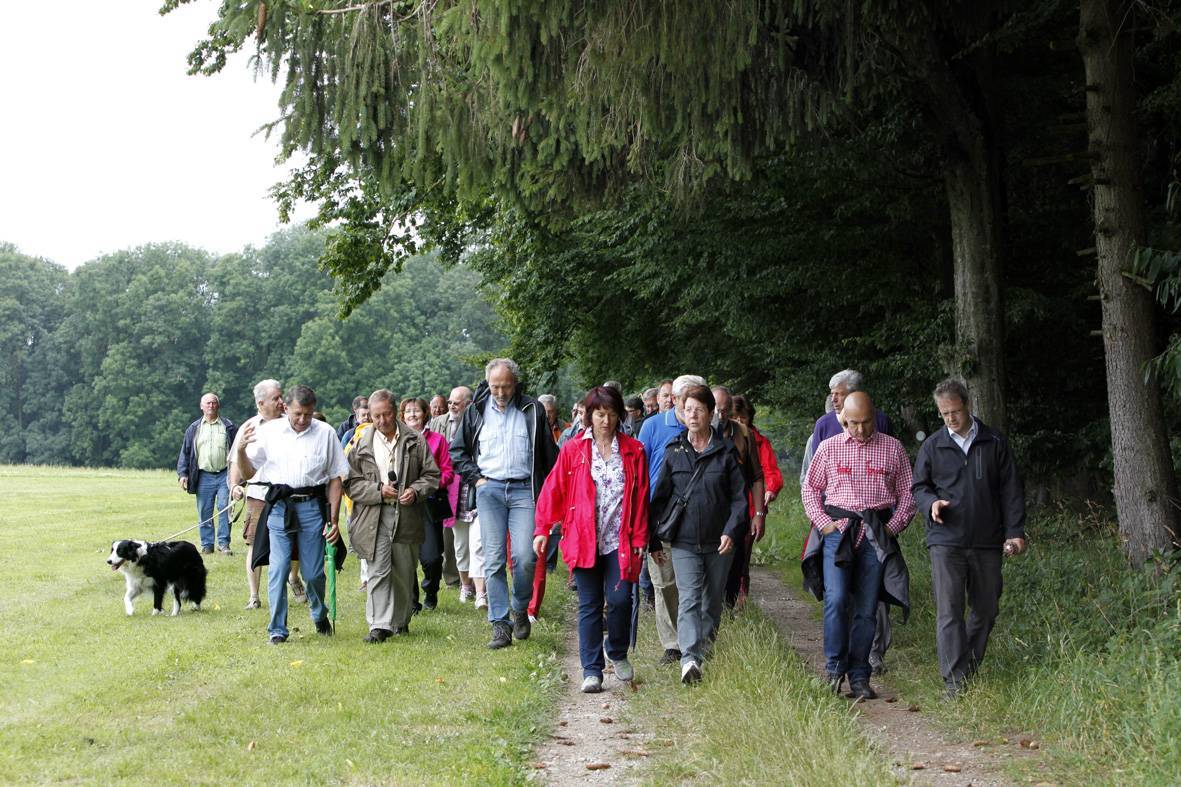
pixel 598 490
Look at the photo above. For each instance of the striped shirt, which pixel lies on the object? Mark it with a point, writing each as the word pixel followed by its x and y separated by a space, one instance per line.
pixel 858 476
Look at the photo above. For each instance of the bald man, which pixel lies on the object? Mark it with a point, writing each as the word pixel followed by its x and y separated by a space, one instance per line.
pixel 857 496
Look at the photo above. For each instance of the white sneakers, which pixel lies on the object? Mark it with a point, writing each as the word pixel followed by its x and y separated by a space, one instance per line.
pixel 690 673
pixel 592 684
pixel 481 600
pixel 624 671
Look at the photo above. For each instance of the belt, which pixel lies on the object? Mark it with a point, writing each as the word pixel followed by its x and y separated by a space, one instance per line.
pixel 301 498
pixel 509 480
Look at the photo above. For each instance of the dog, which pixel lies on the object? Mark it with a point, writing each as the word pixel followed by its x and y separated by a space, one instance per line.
pixel 157 567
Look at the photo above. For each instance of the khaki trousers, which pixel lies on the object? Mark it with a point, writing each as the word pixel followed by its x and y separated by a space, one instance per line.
pixel 392 573
pixel 664 581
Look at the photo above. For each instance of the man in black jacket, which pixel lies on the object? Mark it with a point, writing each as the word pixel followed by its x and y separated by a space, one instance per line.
pixel 505 449
pixel 967 486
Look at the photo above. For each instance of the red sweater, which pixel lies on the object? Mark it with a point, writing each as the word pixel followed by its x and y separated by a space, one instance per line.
pixel 568 496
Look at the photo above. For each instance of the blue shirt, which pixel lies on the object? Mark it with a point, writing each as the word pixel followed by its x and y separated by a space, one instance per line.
pixel 828 426
pixel 505 450
pixel 656 433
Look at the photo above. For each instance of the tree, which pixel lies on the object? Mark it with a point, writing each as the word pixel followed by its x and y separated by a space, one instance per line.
pixel 1145 483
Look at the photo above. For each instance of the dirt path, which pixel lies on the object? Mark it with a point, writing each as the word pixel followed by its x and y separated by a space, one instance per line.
pixel 590 745
pixel 897 726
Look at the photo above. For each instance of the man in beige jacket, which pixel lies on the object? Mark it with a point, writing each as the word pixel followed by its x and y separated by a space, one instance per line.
pixel 391 472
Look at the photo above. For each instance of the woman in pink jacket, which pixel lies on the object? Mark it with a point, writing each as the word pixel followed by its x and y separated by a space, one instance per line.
pixel 598 490
pixel 414 412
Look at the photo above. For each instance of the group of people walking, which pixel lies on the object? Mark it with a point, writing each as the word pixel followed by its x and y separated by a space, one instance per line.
pixel 666 492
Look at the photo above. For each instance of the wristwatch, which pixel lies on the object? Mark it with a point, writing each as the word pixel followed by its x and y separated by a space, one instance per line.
pixel 760 513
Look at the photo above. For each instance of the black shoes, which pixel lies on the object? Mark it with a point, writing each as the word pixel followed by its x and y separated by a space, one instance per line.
pixel 378 636
pixel 502 636
pixel 277 639
pixel 671 656
pixel 324 627
pixel 861 690
pixel 430 601
pixel 521 625
pixel 415 608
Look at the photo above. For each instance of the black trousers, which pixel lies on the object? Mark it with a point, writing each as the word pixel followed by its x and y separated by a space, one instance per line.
pixel 430 555
pixel 959 575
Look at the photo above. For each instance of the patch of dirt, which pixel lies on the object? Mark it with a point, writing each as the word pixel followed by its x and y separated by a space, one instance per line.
pixel 893 723
pixel 590 744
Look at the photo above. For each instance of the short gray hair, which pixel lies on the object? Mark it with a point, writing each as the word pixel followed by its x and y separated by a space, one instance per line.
pixel 262 387
pixel 381 395
pixel 650 393
pixel 849 379
pixel 952 387
pixel 685 382
pixel 507 363
pixel 548 399
pixel 618 386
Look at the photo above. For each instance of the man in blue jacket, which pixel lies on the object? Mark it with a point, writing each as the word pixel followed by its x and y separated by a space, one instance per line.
pixel 966 485
pixel 201 470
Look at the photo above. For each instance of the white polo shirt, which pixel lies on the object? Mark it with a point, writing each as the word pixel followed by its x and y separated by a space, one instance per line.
pixel 308 458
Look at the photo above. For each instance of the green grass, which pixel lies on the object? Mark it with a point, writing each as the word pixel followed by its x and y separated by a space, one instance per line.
pixel 1085 656
pixel 758 717
pixel 93 695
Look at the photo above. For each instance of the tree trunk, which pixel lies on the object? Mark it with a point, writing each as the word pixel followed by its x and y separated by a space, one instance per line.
pixel 972 183
pixel 1145 484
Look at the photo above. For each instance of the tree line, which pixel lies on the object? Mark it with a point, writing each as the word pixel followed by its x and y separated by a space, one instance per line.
pixel 766 192
pixel 105 365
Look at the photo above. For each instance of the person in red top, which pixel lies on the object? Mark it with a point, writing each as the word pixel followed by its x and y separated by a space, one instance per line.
pixel 858 480
pixel 744 413
pixel 598 492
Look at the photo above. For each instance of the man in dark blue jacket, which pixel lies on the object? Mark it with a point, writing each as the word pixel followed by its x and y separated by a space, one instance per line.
pixel 201 470
pixel 967 487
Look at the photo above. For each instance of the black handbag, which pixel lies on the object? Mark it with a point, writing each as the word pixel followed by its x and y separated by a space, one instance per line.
pixel 438 506
pixel 670 524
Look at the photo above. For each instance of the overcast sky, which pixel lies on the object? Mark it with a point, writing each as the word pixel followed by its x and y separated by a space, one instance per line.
pixel 106 143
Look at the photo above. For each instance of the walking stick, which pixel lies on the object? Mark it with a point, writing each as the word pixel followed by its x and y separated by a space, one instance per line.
pixel 635 612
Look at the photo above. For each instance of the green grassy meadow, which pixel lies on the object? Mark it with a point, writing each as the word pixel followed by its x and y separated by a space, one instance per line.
pixel 93 695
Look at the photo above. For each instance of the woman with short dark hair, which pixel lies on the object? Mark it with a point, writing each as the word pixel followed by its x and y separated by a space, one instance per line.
pixel 415 413
pixel 699 509
pixel 598 491
pixel 744 413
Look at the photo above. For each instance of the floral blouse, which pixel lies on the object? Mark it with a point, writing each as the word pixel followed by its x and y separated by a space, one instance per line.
pixel 608 477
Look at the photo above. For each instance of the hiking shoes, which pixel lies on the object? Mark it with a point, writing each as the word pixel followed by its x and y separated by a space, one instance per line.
pixel 324 627
pixel 671 656
pixel 522 627
pixel 861 690
pixel 690 673
pixel 502 636
pixel 624 670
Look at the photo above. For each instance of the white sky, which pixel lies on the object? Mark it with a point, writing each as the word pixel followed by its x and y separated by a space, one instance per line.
pixel 106 143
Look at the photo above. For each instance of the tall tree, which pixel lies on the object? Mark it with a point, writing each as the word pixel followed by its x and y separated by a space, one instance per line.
pixel 1145 482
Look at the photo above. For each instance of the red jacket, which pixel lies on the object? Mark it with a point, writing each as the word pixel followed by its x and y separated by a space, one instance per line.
pixel 568 496
pixel 772 478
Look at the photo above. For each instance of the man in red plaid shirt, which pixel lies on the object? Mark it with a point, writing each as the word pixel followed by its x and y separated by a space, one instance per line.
pixel 856 480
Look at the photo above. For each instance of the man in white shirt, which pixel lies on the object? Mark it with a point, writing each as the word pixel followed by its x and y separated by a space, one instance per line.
pixel 303 463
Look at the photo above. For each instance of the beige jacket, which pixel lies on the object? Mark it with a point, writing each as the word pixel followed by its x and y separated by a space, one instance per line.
pixel 416 469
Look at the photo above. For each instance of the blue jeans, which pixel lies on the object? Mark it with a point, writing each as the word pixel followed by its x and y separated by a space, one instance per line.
pixel 701 585
pixel 506 510
pixel 213 494
pixel 311 562
pixel 595 584
pixel 850 589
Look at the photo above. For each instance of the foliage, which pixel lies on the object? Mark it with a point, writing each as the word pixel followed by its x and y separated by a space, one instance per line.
pixel 108 363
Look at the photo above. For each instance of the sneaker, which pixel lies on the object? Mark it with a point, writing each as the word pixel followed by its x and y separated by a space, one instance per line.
pixel 225 550
pixel 324 627
pixel 522 625
pixel 876 665
pixel 377 636
pixel 481 601
pixel 253 603
pixel 624 670
pixel 277 639
pixel 363 586
pixel 690 673
pixel 502 636
pixel 298 594
pixel 861 690
pixel 671 656
pixel 430 601
pixel 532 619
pixel 207 550
pixel 592 684
pixel 467 593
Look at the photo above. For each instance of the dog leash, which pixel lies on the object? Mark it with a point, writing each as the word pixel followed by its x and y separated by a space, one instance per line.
pixel 210 520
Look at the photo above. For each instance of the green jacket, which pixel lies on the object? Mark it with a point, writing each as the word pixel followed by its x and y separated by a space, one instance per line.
pixel 416 469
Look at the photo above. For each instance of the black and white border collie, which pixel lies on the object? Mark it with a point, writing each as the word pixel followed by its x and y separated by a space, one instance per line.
pixel 157 567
